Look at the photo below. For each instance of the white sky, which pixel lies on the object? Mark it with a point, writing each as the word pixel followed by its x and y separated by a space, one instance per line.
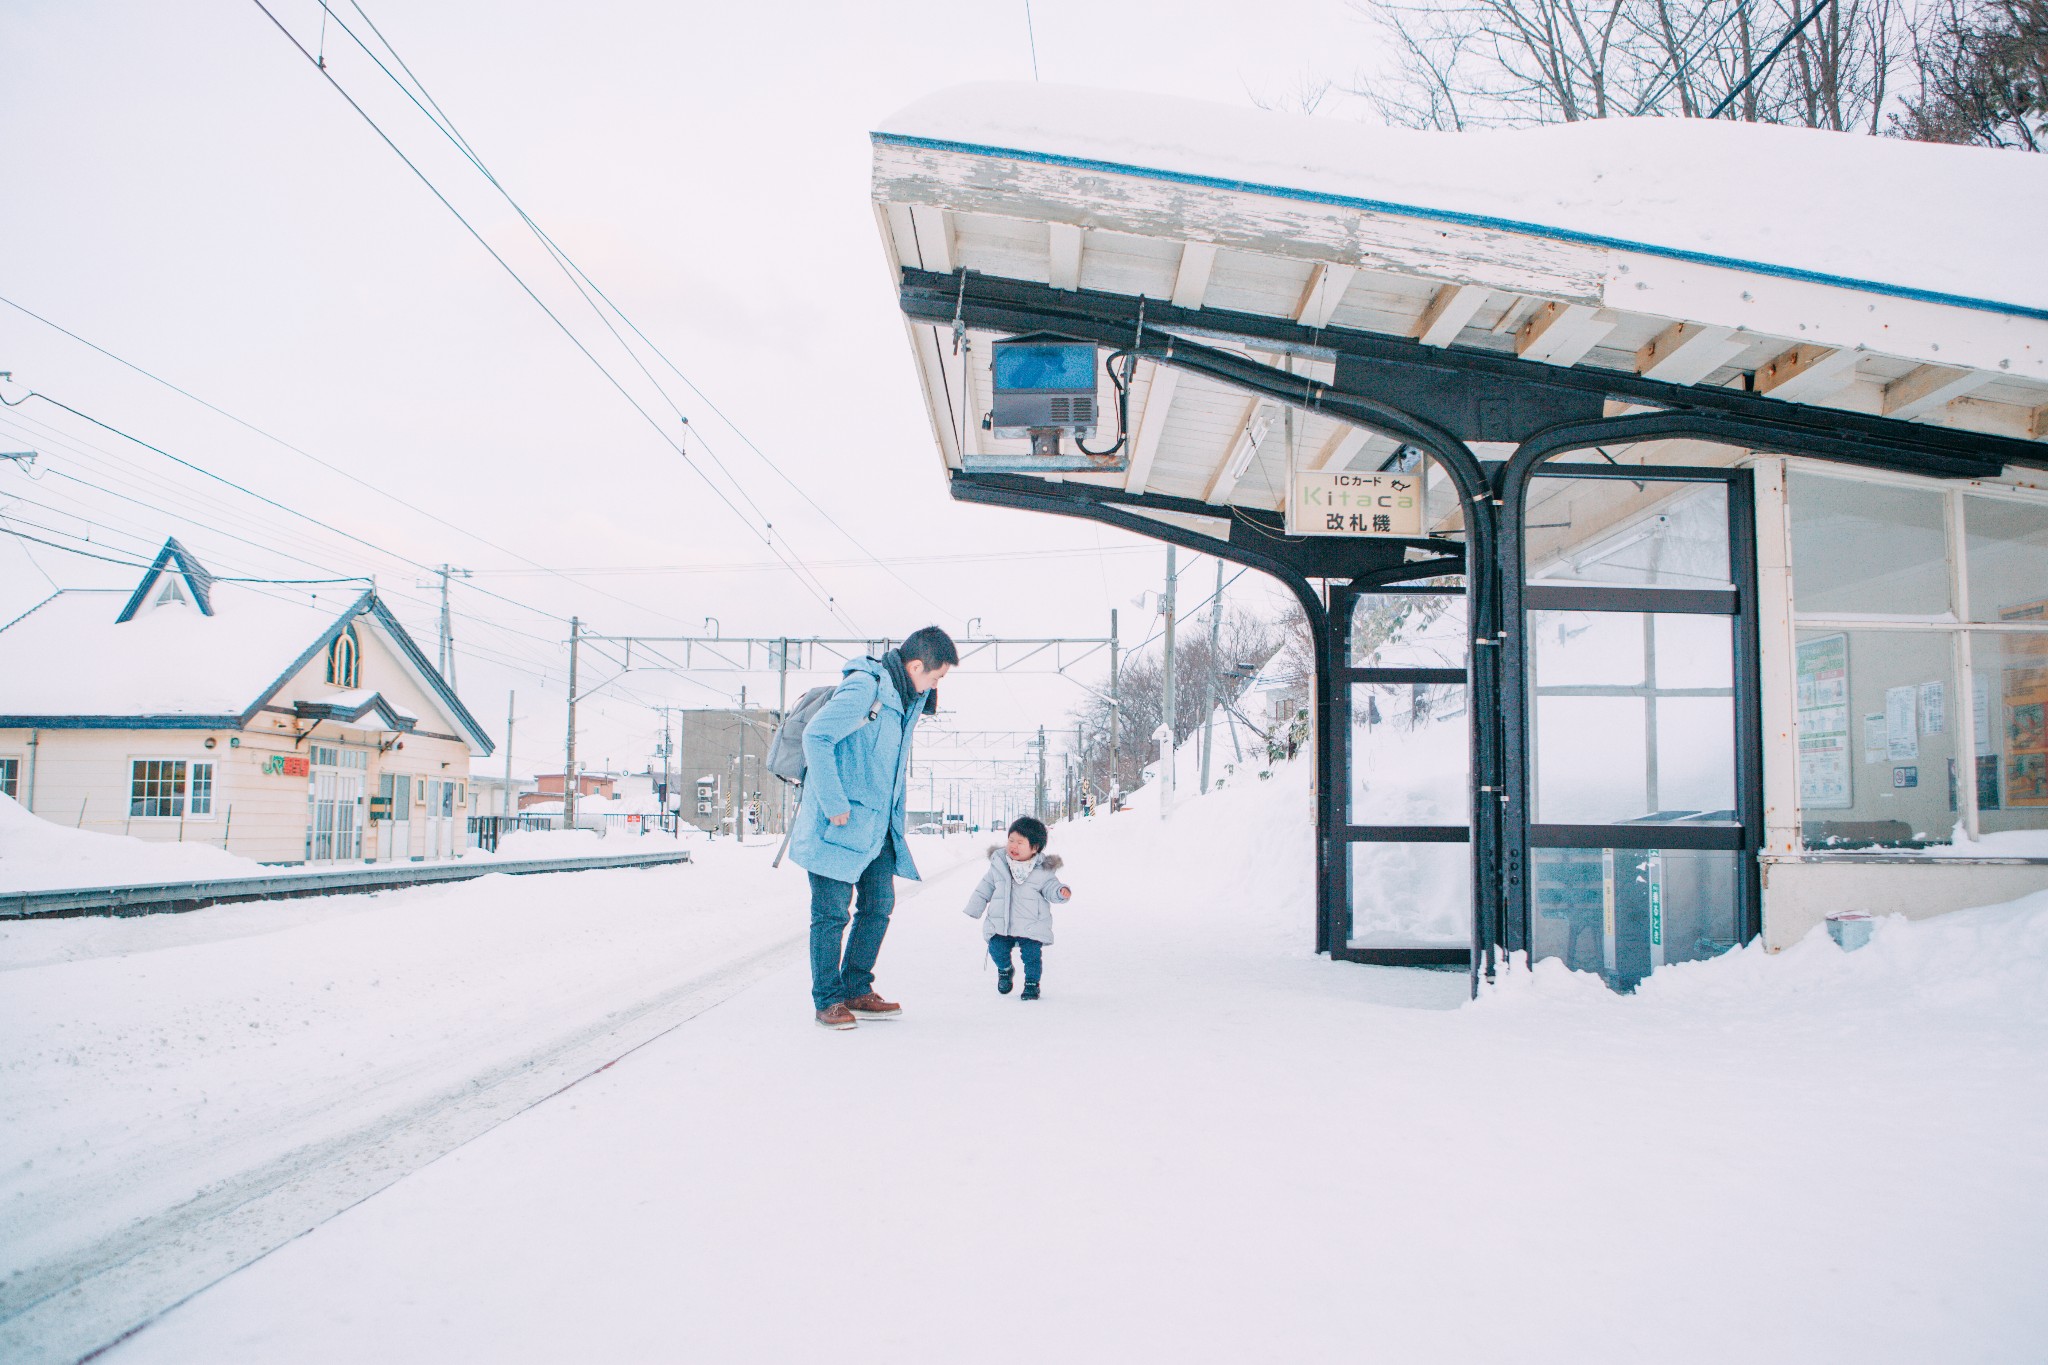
pixel 185 190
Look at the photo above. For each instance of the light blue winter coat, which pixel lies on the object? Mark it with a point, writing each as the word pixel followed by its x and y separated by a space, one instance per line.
pixel 858 767
pixel 1023 909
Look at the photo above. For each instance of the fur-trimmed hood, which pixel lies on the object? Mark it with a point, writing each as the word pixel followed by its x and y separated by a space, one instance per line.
pixel 1051 862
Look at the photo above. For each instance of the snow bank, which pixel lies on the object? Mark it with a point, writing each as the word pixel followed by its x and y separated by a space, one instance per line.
pixel 1680 184
pixel 37 855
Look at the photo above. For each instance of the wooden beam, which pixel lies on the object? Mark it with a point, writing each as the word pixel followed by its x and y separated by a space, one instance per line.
pixel 1686 352
pixel 1066 242
pixel 1244 451
pixel 934 235
pixel 1344 444
pixel 1805 372
pixel 1929 388
pixel 1562 333
pixel 1511 317
pixel 1191 281
pixel 1326 286
pixel 1452 307
pixel 1151 425
pixel 2037 424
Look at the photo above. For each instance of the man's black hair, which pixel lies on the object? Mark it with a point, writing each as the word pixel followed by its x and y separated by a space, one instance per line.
pixel 1033 830
pixel 931 647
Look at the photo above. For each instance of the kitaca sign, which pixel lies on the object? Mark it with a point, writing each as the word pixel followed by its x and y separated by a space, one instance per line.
pixel 1332 502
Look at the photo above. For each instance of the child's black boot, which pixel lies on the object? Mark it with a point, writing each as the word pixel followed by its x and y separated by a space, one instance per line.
pixel 1003 975
pixel 1031 990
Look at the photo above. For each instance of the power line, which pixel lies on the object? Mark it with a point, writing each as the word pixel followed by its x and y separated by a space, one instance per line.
pixel 376 488
pixel 579 279
pixel 815 588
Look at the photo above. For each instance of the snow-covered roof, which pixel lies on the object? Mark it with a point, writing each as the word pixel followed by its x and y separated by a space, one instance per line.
pixel 1874 276
pixel 73 656
pixel 1879 213
pixel 185 650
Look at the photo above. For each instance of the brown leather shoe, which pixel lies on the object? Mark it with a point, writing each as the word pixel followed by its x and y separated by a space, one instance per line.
pixel 872 1006
pixel 838 1016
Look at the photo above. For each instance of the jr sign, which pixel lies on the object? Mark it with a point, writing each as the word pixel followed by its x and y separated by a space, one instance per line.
pixel 1337 503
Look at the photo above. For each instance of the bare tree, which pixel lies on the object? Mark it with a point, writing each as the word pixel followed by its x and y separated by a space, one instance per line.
pixel 1244 643
pixel 1509 63
pixel 1983 67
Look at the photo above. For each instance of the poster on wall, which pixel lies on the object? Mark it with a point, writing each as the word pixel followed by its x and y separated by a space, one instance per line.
pixel 1823 690
pixel 1933 708
pixel 1902 731
pixel 1873 737
pixel 2026 709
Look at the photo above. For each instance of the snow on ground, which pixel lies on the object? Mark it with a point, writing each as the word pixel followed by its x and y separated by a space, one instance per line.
pixel 1203 1144
pixel 38 854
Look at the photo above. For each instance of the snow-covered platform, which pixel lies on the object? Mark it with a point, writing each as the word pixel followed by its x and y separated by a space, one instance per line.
pixel 167 897
pixel 1204 1144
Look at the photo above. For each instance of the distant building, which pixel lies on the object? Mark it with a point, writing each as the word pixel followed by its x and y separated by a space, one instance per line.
pixel 718 765
pixel 251 716
pixel 548 787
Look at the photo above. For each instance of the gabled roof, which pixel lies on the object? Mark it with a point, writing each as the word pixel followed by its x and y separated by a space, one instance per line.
pixel 173 558
pixel 75 662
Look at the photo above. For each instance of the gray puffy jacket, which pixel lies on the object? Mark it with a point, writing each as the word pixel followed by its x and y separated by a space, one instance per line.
pixel 1019 909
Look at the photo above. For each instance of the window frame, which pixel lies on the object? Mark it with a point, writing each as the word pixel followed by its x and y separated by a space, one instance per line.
pixel 1955 622
pixel 180 793
pixel 10 785
pixel 345 659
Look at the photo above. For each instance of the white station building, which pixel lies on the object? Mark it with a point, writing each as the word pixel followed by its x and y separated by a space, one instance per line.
pixel 1666 496
pixel 249 716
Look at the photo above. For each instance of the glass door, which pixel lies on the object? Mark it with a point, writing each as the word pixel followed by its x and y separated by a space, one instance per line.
pixel 1644 798
pixel 1404 767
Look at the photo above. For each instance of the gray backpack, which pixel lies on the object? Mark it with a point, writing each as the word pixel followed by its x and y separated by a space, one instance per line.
pixel 786 750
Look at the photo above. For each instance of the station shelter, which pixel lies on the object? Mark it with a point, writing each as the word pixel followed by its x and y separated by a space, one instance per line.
pixel 1665 496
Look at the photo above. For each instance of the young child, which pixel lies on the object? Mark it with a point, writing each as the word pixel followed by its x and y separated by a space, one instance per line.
pixel 1014 902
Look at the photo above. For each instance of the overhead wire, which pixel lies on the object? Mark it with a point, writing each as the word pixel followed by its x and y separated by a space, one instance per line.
pixel 440 119
pixel 811 585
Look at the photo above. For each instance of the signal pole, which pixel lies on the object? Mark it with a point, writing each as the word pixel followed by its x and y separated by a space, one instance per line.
pixel 447 660
pixel 569 758
pixel 1115 783
pixel 1038 800
pixel 1209 687
pixel 1169 761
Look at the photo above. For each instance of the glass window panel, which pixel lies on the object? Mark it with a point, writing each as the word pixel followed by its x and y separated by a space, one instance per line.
pixel 1695 757
pixel 2006 548
pixel 1616 735
pixel 1877 737
pixel 2009 716
pixel 1409 630
pixel 1624 912
pixel 202 789
pixel 1590 760
pixel 1867 548
pixel 10 777
pixel 1695 651
pixel 1623 533
pixel 1587 648
pixel 1410 754
pixel 1411 895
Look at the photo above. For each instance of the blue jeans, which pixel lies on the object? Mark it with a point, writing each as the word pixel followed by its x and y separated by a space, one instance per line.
pixel 1031 949
pixel 843 964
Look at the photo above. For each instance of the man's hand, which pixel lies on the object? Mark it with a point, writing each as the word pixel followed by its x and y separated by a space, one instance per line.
pixel 841 819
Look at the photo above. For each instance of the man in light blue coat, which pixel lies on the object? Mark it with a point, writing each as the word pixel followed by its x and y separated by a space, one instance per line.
pixel 849 833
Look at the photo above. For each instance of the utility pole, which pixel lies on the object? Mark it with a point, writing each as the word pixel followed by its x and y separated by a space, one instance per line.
pixel 1169 761
pixel 668 753
pixel 569 759
pixel 1115 783
pixel 511 700
pixel 1038 800
pixel 448 625
pixel 1080 765
pixel 781 714
pixel 1209 687
pixel 739 779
